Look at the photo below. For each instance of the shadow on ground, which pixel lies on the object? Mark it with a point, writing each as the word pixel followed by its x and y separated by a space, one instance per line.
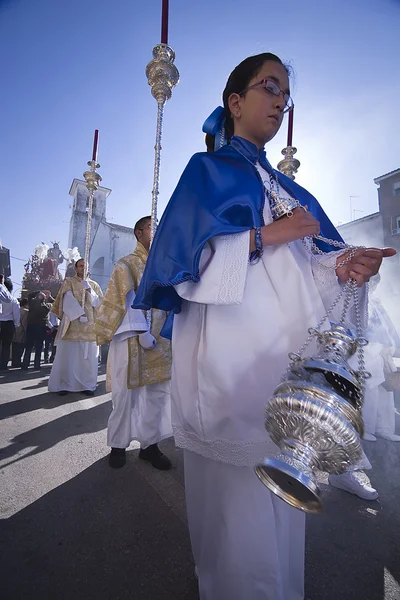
pixel 103 535
pixel 108 535
pixel 353 548
pixel 47 400
pixel 46 436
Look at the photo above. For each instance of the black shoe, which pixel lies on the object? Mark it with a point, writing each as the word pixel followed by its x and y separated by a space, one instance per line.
pixel 88 393
pixel 154 455
pixel 63 393
pixel 117 458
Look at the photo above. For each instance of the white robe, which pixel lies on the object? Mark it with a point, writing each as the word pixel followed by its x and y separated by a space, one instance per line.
pixel 379 410
pixel 230 348
pixel 76 363
pixel 144 413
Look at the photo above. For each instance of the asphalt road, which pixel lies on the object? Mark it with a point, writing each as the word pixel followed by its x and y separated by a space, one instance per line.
pixel 74 529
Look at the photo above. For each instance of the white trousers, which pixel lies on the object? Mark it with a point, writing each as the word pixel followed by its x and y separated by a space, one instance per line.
pixel 247 543
pixel 379 411
pixel 142 414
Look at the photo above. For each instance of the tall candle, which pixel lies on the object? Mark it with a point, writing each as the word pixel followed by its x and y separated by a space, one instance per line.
pixel 290 127
pixel 164 22
pixel 95 144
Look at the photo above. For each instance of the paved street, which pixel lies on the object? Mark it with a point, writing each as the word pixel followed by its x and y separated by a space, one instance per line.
pixel 74 529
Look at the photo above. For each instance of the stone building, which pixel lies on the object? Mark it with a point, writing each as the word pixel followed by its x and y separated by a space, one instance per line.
pixel 5 268
pixel 389 207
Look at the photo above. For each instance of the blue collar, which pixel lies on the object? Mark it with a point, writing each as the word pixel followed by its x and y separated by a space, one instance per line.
pixel 251 152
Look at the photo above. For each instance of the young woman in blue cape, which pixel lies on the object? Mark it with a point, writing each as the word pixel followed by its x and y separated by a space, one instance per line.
pixel 243 291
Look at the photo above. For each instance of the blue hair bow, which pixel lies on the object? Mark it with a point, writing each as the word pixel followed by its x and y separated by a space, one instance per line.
pixel 215 125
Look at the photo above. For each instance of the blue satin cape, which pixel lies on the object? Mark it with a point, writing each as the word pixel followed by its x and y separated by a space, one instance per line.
pixel 219 193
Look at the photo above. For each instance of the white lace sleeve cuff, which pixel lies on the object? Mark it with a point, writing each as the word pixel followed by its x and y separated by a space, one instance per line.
pixel 223 271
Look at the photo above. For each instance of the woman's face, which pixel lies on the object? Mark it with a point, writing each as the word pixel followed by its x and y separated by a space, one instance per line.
pixel 258 114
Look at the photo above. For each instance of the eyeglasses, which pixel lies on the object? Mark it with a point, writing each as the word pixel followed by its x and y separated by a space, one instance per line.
pixel 143 228
pixel 272 88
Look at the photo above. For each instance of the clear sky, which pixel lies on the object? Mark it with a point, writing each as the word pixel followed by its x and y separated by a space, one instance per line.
pixel 71 66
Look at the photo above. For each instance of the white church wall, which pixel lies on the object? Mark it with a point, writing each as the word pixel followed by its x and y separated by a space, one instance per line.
pixel 124 242
pixel 111 243
pixel 367 231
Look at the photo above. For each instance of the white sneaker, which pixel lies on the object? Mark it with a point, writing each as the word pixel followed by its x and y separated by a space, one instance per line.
pixel 349 482
pixel 369 437
pixel 391 437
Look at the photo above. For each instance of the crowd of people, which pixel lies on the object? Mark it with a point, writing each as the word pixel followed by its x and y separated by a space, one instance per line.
pixel 232 291
pixel 26 324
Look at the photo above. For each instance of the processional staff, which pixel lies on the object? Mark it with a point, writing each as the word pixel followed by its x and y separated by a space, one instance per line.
pixel 289 165
pixel 162 76
pixel 93 180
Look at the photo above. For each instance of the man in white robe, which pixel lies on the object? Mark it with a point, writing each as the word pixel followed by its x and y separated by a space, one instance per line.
pixel 139 362
pixel 76 360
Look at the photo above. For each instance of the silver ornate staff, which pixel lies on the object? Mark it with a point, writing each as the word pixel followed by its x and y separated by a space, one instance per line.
pixel 289 165
pixel 162 77
pixel 93 180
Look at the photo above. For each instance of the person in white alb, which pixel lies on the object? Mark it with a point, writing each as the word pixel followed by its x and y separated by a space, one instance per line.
pixel 139 362
pixel 9 320
pixel 378 408
pixel 75 364
pixel 244 290
pixel 379 411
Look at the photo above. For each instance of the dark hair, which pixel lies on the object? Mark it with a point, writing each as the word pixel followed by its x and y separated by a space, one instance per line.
pixel 8 284
pixel 140 225
pixel 79 260
pixel 36 298
pixel 24 302
pixel 238 80
pixel 210 141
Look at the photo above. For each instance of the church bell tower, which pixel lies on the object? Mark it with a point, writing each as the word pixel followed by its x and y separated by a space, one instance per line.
pixel 77 225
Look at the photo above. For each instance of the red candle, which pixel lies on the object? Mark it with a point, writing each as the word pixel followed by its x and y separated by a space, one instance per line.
pixel 290 127
pixel 95 144
pixel 164 22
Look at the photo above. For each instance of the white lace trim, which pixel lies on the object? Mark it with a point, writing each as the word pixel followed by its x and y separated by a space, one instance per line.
pixel 326 276
pixel 234 270
pixel 238 453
